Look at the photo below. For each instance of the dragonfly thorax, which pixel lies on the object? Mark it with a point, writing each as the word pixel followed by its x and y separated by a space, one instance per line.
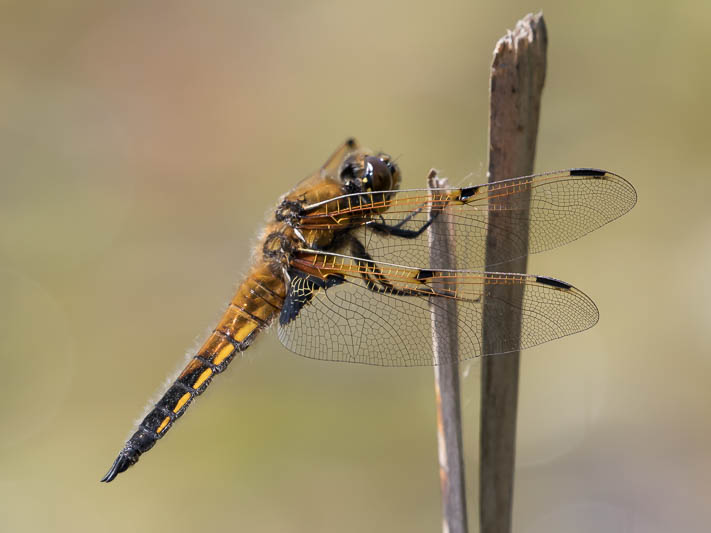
pixel 279 247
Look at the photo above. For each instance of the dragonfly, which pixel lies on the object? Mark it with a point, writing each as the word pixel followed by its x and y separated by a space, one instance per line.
pixel 343 268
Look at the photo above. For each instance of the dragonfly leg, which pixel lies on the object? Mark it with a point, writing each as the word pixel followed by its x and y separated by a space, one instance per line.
pixel 375 280
pixel 397 230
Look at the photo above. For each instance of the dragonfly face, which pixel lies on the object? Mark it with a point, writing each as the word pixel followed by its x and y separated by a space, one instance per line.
pixel 369 173
pixel 355 177
pixel 344 267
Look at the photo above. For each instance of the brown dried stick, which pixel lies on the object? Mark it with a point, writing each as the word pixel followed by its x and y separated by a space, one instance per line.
pixel 446 352
pixel 517 76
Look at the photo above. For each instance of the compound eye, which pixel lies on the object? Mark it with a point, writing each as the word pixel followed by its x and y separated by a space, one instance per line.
pixel 392 167
pixel 349 171
pixel 379 175
pixel 351 176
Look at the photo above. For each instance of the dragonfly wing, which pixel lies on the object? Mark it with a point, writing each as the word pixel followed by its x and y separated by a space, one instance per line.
pixel 330 167
pixel 380 314
pixel 553 209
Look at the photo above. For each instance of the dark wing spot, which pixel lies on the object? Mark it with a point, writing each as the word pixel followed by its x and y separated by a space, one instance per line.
pixel 467 192
pixel 301 290
pixel 553 282
pixel 424 275
pixel 589 172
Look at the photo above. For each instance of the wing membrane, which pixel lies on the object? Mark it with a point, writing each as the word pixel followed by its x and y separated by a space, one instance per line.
pixel 563 207
pixel 379 313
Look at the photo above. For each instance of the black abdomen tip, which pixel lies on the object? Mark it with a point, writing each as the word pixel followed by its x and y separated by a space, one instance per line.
pixel 122 462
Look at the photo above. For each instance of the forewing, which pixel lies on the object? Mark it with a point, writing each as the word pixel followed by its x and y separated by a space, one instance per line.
pixel 330 167
pixel 563 207
pixel 380 314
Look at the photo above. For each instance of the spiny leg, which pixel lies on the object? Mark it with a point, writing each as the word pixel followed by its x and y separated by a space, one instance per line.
pixel 396 230
pixel 376 281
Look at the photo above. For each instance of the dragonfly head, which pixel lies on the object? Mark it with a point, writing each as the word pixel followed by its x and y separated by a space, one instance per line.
pixel 361 172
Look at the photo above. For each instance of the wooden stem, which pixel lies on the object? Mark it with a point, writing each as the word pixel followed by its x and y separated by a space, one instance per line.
pixel 446 352
pixel 517 76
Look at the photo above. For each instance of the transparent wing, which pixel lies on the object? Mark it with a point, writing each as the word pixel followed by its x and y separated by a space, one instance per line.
pixel 377 313
pixel 330 167
pixel 563 206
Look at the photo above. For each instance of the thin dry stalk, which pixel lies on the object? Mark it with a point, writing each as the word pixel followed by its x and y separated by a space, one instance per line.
pixel 446 351
pixel 517 76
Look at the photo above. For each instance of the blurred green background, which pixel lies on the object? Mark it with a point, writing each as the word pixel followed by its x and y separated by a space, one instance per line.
pixel 141 144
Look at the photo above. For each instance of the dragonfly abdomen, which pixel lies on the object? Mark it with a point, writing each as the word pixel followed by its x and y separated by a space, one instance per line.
pixel 257 301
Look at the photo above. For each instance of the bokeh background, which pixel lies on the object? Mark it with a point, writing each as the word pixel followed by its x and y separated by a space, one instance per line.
pixel 141 144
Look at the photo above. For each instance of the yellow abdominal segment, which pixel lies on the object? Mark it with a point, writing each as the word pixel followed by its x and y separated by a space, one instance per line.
pixel 181 402
pixel 243 332
pixel 203 378
pixel 223 354
pixel 163 424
